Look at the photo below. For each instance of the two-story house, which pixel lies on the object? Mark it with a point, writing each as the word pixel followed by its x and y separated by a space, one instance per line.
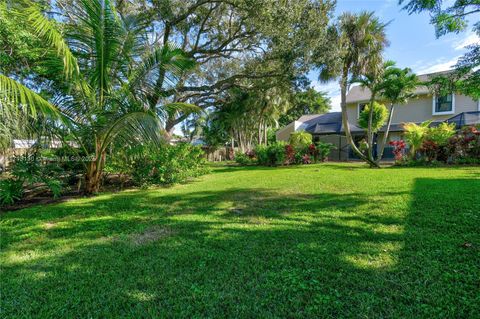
pixel 328 127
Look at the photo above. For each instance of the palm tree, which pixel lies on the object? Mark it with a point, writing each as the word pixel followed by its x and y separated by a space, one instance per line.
pixel 373 81
pixel 397 87
pixel 358 41
pixel 109 71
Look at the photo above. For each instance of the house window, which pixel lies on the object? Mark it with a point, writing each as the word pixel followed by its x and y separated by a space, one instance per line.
pixel 361 107
pixel 444 104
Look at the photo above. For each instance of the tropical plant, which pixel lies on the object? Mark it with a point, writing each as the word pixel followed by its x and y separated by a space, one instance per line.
pixel 372 121
pixel 415 135
pixel 324 150
pixel 372 80
pixel 300 139
pixel 11 190
pixel 111 74
pixel 398 149
pixel 397 87
pixel 358 41
pixel 167 164
pixel 441 134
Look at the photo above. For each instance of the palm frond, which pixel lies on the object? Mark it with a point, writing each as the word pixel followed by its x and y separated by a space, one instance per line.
pixel 133 128
pixel 186 108
pixel 14 94
pixel 47 30
pixel 159 68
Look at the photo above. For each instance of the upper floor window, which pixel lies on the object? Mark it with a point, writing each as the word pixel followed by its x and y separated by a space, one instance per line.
pixel 444 104
pixel 361 107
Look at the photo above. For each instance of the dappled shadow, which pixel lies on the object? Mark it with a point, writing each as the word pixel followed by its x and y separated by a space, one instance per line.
pixel 249 253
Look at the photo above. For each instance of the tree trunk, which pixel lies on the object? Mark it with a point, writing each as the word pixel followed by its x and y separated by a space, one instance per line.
pixel 346 125
pixel 370 134
pixel 93 175
pixel 385 135
pixel 260 133
pixel 265 129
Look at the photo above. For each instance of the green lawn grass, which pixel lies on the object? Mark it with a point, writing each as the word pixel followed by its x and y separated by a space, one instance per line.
pixel 319 241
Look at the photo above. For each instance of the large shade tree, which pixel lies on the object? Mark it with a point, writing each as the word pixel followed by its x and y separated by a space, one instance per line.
pixel 110 72
pixel 234 42
pixel 454 17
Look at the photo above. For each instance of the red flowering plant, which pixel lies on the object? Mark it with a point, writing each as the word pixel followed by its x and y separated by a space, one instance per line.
pixel 290 154
pixel 306 159
pixel 398 149
pixel 431 150
pixel 313 152
pixel 468 142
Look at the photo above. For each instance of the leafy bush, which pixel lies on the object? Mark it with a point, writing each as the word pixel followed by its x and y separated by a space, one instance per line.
pixel 262 155
pixel 168 164
pixel 271 155
pixel 323 150
pixel 243 159
pixel 435 142
pixel 380 115
pixel 27 170
pixel 300 140
pixel 276 153
pixel 11 190
pixel 440 134
pixel 279 153
pixel 415 135
pixel 443 144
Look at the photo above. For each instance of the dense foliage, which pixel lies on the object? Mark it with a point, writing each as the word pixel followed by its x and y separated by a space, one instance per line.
pixel 167 164
pixel 304 103
pixel 281 153
pixel 379 117
pixel 438 144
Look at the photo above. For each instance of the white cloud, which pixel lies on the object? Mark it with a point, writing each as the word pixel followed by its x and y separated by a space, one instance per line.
pixel 438 65
pixel 336 101
pixel 469 39
pixel 332 89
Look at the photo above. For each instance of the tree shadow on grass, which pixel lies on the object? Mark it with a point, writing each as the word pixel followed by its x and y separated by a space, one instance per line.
pixel 255 253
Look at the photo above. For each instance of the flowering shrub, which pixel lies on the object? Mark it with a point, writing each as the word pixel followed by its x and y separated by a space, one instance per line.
pixel 398 149
pixel 442 144
pixel 306 159
pixel 431 150
pixel 279 153
pixel 290 154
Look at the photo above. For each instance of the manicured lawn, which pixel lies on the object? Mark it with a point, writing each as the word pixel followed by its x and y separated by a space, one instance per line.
pixel 320 241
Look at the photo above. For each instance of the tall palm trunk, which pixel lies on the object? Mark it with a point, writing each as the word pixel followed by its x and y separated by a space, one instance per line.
pixel 94 171
pixel 385 136
pixel 346 125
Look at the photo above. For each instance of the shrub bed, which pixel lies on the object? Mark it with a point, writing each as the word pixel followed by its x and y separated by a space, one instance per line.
pixel 281 153
pixel 438 145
